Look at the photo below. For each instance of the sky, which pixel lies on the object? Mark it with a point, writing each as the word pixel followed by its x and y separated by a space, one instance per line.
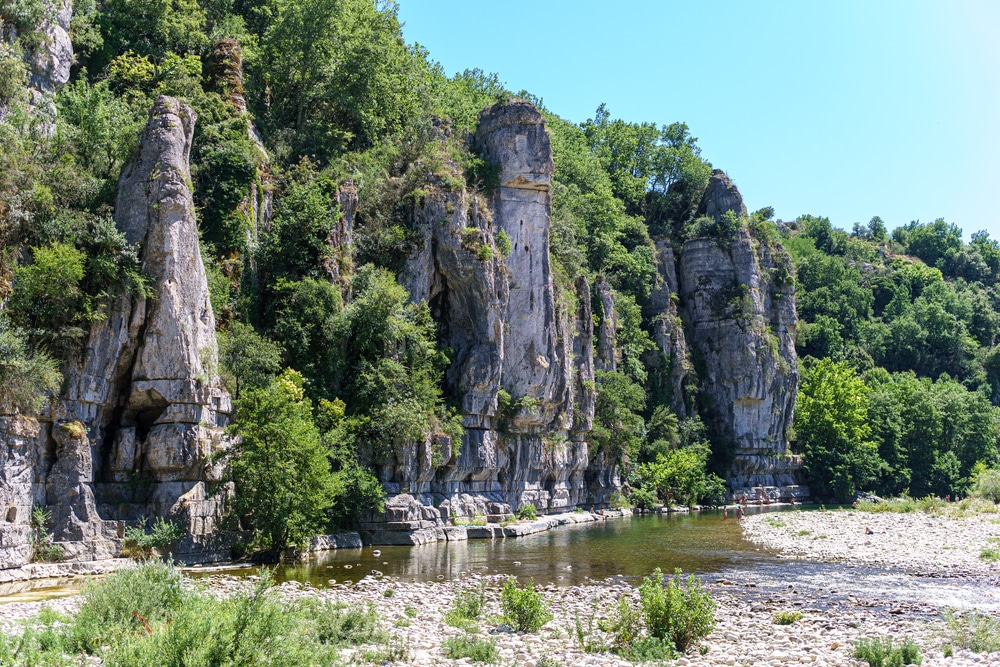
pixel 843 108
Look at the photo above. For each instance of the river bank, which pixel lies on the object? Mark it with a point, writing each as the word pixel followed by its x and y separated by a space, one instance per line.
pixel 862 595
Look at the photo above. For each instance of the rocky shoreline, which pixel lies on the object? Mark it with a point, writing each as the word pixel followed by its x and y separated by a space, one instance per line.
pixel 834 612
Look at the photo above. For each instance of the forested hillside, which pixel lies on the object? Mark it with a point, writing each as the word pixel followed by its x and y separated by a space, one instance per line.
pixel 320 135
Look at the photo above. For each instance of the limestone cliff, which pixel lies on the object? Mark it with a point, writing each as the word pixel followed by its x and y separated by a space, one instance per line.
pixel 522 367
pixel 739 303
pixel 134 431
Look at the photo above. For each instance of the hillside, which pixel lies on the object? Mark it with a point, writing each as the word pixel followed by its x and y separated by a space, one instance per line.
pixel 268 271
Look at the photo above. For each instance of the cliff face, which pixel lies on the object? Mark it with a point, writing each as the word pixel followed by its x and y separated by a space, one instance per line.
pixel 739 302
pixel 510 338
pixel 144 410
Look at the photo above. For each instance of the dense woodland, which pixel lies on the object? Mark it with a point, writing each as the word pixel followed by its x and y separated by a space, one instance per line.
pixel 897 334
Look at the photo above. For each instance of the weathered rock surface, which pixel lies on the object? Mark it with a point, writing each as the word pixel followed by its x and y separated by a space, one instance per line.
pixel 134 432
pixel 501 319
pixel 670 363
pixel 740 305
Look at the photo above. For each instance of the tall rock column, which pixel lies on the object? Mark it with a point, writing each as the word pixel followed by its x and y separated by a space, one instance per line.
pixel 147 394
pixel 513 136
pixel 740 304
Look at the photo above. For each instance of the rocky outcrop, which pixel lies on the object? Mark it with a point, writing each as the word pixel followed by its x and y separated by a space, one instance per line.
pixel 740 307
pixel 513 336
pixel 135 430
pixel 720 197
pixel 48 56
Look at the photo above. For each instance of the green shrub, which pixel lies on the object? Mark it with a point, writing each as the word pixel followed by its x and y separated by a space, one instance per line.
pixel 625 626
pixel 125 603
pixel 140 544
pixel 339 624
pixel 527 512
pixel 651 649
pixel 681 612
pixel 974 631
pixel 881 653
pixel 986 484
pixel 523 609
pixel 504 244
pixel 478 649
pixel 787 617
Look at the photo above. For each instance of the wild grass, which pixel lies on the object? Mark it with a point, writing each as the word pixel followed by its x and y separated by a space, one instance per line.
pixel 929 504
pixel 148 615
pixel 477 649
pixel 787 617
pixel 974 631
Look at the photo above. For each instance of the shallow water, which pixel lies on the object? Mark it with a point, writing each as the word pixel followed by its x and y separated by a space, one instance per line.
pixel 568 555
pixel 702 543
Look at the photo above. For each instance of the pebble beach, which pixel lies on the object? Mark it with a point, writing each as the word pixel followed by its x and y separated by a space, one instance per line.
pixel 914 552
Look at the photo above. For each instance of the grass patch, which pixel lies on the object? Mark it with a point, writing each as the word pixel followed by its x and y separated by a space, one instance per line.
pixel 466 607
pixel 881 652
pixel 787 617
pixel 478 649
pixel 974 631
pixel 776 523
pixel 804 532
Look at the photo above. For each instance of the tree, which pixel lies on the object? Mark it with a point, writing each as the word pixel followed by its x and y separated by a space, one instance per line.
pixel 247 359
pixel 833 432
pixel 283 482
pixel 618 428
pixel 25 378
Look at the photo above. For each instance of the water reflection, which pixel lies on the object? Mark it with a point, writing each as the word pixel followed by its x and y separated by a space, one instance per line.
pixel 570 555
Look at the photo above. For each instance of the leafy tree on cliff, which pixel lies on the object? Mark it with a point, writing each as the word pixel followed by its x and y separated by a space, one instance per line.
pixel 833 431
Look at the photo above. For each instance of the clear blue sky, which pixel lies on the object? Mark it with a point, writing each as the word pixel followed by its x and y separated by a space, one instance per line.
pixel 845 108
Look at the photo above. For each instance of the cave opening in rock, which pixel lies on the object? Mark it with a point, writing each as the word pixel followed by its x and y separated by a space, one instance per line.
pixel 146 416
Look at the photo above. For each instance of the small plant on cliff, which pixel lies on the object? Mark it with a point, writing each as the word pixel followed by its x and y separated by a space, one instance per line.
pixel 142 545
pixel 527 512
pixel 43 550
pixel 523 609
pixel 676 610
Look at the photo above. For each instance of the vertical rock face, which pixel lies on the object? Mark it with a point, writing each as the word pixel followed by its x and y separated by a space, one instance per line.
pixel 144 411
pixel 513 136
pixel 740 306
pixel 509 331
pixel 721 196
pixel 670 363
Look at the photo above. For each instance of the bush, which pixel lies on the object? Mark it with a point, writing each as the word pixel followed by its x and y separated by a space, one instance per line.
pixel 625 626
pixel 974 631
pixel 140 544
pixel 469 646
pixel 881 653
pixel 527 512
pixel 681 612
pixel 523 609
pixel 125 603
pixel 986 485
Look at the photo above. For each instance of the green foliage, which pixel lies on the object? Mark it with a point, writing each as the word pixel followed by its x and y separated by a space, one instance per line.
pixel 247 360
pixel 522 608
pixel 283 482
pixel 974 631
pixel 527 512
pixel 477 649
pixel 985 483
pixel 43 550
pixel 787 617
pixel 162 534
pixel 26 379
pixel 679 476
pixel 618 428
pixel 678 611
pixel 119 605
pixel 625 626
pixel 466 607
pixel 881 652
pixel 833 431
